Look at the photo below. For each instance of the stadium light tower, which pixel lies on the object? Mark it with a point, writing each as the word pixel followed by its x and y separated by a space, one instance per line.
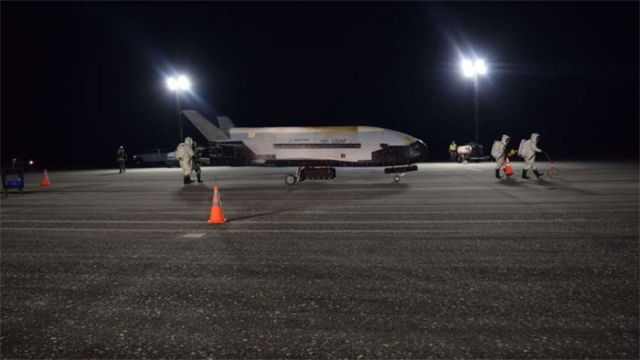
pixel 178 84
pixel 473 69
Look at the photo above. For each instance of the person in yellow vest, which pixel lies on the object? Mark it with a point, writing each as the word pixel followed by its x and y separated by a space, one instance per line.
pixel 453 151
pixel 121 158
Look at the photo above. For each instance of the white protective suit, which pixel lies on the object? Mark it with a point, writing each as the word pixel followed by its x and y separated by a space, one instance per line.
pixel 464 152
pixel 499 148
pixel 529 150
pixel 184 153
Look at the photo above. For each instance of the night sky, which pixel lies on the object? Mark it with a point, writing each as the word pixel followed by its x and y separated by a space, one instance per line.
pixel 81 79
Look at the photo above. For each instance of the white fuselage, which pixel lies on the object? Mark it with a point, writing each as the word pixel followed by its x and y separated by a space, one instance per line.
pixel 341 143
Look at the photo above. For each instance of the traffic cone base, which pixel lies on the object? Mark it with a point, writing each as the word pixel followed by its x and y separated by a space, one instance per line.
pixel 217 216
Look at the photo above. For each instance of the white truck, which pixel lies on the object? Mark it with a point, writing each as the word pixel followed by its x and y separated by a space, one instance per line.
pixel 173 161
pixel 152 157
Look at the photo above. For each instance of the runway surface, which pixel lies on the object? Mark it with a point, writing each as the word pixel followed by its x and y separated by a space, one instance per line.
pixel 449 263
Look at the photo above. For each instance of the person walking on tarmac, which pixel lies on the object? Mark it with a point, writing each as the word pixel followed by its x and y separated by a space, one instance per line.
pixel 528 150
pixel 121 158
pixel 500 152
pixel 453 151
pixel 184 153
pixel 195 160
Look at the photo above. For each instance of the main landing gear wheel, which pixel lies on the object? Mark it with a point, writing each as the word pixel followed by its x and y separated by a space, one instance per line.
pixel 290 179
pixel 396 179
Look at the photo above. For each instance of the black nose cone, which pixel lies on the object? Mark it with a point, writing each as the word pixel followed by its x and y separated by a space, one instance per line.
pixel 419 151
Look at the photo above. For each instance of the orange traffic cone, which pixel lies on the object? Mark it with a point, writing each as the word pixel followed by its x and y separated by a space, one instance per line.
pixel 507 168
pixel 217 214
pixel 45 180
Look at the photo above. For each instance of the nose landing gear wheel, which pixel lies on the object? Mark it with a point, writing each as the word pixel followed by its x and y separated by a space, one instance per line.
pixel 290 179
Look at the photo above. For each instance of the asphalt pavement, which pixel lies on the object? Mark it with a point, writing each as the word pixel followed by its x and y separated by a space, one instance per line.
pixel 448 263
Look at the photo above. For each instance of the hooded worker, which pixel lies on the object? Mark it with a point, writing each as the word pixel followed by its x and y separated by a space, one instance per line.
pixel 195 161
pixel 184 153
pixel 499 152
pixel 528 153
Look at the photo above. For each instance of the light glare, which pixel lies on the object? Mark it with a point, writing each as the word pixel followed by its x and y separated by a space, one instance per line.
pixel 481 67
pixel 184 83
pixel 473 68
pixel 172 84
pixel 467 68
pixel 178 83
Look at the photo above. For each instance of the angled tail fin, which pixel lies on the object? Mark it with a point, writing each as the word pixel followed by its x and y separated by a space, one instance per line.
pixel 225 123
pixel 210 131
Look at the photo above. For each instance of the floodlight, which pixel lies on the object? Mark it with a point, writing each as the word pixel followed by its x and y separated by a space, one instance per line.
pixel 179 84
pixel 172 83
pixel 481 67
pixel 472 69
pixel 184 83
pixel 467 68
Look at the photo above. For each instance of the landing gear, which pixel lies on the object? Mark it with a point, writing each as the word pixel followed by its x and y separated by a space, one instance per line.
pixel 400 170
pixel 397 178
pixel 290 179
pixel 313 173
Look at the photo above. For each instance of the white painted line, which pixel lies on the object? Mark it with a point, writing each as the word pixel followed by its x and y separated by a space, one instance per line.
pixel 528 211
pixel 97 230
pixel 403 202
pixel 194 235
pixel 337 210
pixel 284 231
pixel 369 232
pixel 334 231
pixel 111 221
pixel 329 222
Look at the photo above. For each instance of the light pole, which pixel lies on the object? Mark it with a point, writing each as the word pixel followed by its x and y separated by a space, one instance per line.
pixel 178 84
pixel 473 70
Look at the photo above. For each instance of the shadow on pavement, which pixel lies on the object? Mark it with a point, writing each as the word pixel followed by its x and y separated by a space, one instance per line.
pixel 511 182
pixel 307 195
pixel 12 192
pixel 547 183
pixel 238 218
